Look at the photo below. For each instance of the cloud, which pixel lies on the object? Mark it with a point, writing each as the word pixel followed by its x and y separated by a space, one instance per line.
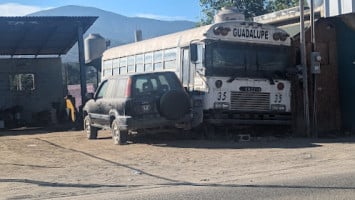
pixel 14 9
pixel 161 17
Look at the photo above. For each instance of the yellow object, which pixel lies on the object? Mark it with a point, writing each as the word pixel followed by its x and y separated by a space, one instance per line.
pixel 71 107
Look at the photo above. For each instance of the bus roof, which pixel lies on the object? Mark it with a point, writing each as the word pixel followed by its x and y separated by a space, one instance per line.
pixel 238 31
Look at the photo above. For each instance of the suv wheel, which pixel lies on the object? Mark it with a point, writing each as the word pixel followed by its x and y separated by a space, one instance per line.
pixel 174 104
pixel 91 132
pixel 118 136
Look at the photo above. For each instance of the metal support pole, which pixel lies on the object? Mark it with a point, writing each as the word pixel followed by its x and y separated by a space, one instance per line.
pixel 340 7
pixel 304 67
pixel 82 64
pixel 313 35
pixel 315 110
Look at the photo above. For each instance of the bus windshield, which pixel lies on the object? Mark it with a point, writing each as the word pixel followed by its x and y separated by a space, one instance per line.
pixel 245 60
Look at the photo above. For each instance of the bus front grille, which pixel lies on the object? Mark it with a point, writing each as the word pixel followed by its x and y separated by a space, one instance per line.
pixel 250 101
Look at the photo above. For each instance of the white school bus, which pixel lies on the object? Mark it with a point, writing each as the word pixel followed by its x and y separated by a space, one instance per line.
pixel 235 71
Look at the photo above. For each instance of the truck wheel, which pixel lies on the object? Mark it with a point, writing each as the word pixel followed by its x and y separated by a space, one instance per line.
pixel 91 132
pixel 118 136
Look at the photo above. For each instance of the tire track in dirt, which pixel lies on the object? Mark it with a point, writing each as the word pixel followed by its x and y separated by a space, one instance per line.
pixel 136 170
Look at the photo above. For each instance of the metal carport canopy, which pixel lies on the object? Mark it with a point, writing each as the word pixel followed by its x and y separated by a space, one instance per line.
pixel 41 35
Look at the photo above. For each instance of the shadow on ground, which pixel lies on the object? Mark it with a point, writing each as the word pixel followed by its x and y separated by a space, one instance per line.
pixel 32 130
pixel 171 140
pixel 191 139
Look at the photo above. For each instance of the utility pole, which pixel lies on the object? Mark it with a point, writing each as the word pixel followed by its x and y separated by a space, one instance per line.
pixel 315 110
pixel 82 64
pixel 313 36
pixel 304 69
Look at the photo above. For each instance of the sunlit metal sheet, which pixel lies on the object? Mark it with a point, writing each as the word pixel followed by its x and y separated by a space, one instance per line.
pixel 40 35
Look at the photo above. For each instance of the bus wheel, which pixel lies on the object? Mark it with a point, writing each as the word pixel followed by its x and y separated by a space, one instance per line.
pixel 209 131
pixel 118 136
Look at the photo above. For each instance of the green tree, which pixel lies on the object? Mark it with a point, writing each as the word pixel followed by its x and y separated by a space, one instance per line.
pixel 209 9
pixel 275 5
pixel 251 8
pixel 72 73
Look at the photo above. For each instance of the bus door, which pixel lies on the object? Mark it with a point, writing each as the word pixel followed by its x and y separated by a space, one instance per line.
pixel 187 71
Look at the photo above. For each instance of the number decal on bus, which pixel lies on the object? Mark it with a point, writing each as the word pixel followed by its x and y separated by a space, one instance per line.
pixel 221 96
pixel 278 98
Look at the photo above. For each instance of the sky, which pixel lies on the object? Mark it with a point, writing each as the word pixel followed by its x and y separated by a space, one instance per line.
pixel 156 9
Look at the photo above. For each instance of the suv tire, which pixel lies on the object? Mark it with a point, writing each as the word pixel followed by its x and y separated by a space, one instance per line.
pixel 174 104
pixel 91 132
pixel 118 136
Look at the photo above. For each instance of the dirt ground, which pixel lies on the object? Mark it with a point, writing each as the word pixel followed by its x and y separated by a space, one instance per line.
pixel 42 165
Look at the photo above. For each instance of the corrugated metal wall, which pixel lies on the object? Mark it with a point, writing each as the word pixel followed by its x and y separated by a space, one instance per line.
pixel 48 85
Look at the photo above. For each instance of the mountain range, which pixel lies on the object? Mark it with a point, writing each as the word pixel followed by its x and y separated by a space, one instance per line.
pixel 117 28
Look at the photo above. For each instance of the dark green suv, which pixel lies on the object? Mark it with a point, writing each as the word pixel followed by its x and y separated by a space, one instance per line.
pixel 137 102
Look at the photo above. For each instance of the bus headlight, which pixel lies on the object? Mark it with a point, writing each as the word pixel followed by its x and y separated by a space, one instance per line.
pixel 278 107
pixel 221 105
pixel 218 83
pixel 280 86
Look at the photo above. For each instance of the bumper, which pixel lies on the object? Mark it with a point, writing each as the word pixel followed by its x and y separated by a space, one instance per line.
pixel 247 118
pixel 154 121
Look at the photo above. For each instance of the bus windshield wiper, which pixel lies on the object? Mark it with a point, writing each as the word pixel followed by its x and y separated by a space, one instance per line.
pixel 235 75
pixel 232 78
pixel 272 75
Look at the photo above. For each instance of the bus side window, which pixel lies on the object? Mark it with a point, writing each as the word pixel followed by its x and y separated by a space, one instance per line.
pixel 123 65
pixel 158 59
pixel 107 68
pixel 139 63
pixel 115 66
pixel 148 59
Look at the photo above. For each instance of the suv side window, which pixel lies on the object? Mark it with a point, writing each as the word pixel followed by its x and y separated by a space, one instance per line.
pixel 120 89
pixel 155 83
pixel 140 83
pixel 111 86
pixel 115 88
pixel 102 90
pixel 170 80
pixel 143 84
pixel 164 84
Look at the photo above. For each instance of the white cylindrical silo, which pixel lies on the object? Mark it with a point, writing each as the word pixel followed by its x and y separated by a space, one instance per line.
pixel 94 46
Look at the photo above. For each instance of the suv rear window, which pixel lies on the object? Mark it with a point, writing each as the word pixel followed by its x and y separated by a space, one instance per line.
pixel 154 83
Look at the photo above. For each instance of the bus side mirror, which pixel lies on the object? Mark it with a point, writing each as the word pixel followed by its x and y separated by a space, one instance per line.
pixel 193 53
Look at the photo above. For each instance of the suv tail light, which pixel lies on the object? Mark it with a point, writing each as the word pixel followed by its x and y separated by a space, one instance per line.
pixel 128 89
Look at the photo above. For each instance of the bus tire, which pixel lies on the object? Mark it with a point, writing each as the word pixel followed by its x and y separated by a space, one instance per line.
pixel 209 131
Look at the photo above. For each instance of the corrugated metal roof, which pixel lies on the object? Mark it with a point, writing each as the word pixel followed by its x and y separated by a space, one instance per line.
pixel 40 35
